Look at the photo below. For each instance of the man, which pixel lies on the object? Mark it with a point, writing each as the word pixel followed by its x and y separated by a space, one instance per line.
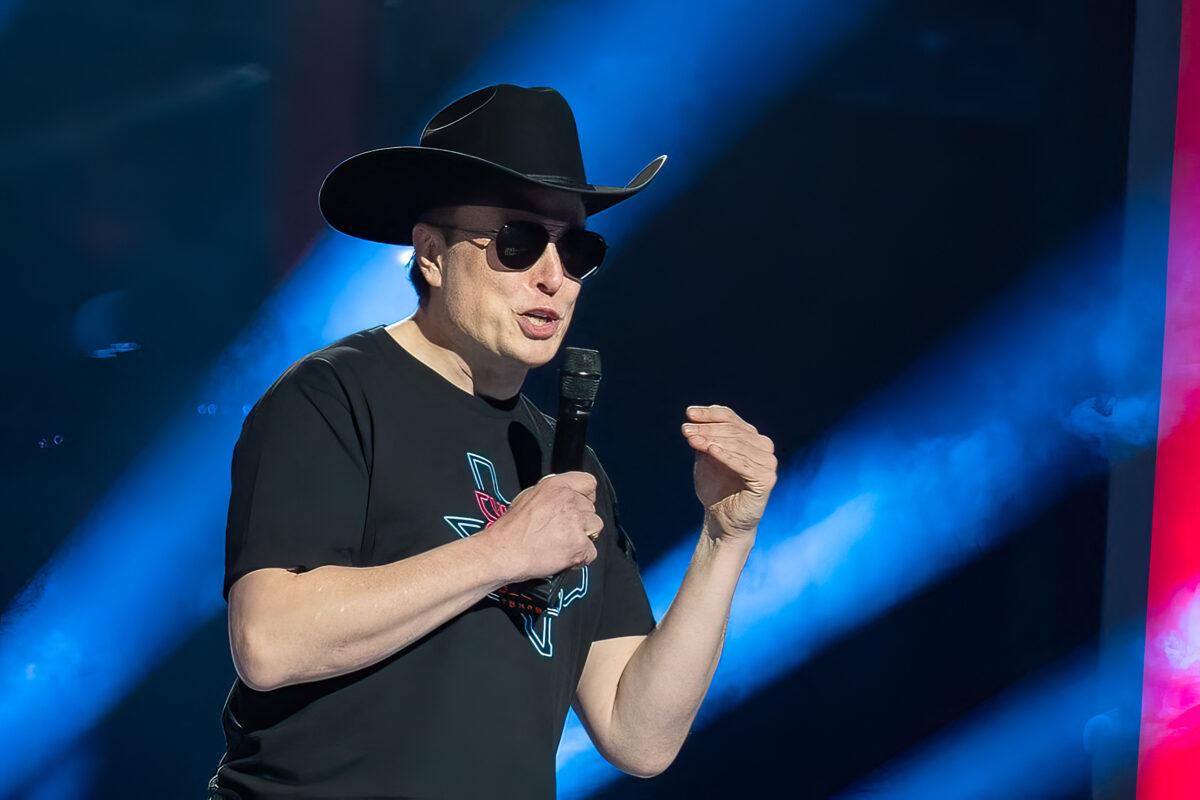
pixel 390 490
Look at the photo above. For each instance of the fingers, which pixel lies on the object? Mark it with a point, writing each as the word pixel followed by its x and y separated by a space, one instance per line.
pixel 721 426
pixel 751 454
pixel 753 472
pixel 582 482
pixel 729 431
pixel 589 556
pixel 593 526
pixel 732 441
pixel 754 459
pixel 717 414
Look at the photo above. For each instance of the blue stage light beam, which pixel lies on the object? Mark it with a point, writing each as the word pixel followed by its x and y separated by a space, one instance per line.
pixel 145 568
pixel 1035 396
pixel 8 8
pixel 648 77
pixel 137 575
pixel 72 776
pixel 1028 743
pixel 1034 740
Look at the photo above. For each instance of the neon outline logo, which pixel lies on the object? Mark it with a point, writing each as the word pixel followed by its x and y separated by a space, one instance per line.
pixel 492 505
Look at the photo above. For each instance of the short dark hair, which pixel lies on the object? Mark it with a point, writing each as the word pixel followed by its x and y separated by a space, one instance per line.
pixel 414 269
pixel 418 279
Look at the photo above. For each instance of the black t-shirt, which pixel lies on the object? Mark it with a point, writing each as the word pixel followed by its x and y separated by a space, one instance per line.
pixel 361 455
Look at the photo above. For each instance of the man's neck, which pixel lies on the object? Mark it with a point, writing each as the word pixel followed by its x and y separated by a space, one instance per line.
pixel 465 370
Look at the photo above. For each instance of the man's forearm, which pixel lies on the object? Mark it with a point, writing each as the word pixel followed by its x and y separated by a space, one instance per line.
pixel 666 678
pixel 333 620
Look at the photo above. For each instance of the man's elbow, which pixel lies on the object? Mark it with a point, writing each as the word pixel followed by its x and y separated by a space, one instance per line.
pixel 254 664
pixel 256 656
pixel 255 628
pixel 259 677
pixel 645 773
pixel 645 765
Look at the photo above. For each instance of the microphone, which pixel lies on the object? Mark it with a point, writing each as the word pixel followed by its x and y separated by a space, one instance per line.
pixel 578 383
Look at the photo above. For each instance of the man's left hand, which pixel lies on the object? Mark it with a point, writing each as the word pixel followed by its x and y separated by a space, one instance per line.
pixel 734 470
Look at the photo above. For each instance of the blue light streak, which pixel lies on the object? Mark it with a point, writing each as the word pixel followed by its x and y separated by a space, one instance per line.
pixel 143 570
pixel 1034 397
pixel 1032 741
pixel 647 77
pixel 923 479
pixel 138 575
pixel 1027 743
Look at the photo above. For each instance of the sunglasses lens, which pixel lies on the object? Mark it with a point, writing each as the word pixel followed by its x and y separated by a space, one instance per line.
pixel 582 252
pixel 520 244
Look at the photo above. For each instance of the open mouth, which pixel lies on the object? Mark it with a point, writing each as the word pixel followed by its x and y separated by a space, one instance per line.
pixel 538 319
pixel 540 323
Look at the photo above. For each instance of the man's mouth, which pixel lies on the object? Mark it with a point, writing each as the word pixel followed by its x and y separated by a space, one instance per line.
pixel 540 323
pixel 540 316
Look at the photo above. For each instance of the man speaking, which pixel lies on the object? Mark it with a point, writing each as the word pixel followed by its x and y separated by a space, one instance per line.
pixel 392 501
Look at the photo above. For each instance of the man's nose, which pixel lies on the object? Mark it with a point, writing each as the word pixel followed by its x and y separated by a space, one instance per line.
pixel 548 271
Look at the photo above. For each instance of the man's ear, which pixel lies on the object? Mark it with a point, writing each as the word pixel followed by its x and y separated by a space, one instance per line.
pixel 428 247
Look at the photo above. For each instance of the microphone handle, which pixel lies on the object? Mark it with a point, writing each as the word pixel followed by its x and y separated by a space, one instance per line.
pixel 570 438
pixel 570 441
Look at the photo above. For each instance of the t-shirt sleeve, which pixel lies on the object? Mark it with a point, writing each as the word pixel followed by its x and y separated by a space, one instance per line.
pixel 298 497
pixel 626 608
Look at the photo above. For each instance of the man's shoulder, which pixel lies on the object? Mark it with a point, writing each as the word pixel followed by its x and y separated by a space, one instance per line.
pixel 352 354
pixel 336 371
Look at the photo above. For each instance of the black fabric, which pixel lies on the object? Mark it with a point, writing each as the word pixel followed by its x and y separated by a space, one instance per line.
pixel 505 145
pixel 361 455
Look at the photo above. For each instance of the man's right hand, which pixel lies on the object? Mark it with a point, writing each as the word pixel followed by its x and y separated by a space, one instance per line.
pixel 548 527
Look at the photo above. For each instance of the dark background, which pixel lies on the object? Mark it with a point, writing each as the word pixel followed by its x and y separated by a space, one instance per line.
pixel 881 205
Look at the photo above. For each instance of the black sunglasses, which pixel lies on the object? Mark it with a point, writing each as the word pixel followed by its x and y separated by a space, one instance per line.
pixel 520 243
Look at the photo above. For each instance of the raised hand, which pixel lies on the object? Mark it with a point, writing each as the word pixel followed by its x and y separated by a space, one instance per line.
pixel 734 470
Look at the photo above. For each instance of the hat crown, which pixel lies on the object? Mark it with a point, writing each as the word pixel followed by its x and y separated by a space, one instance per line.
pixel 502 145
pixel 530 130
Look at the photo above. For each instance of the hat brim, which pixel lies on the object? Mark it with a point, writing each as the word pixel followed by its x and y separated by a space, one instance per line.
pixel 380 194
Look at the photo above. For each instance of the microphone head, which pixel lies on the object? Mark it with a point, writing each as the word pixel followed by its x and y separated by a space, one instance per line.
pixel 579 375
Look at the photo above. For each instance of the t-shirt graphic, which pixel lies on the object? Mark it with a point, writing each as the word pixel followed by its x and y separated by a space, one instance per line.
pixel 492 504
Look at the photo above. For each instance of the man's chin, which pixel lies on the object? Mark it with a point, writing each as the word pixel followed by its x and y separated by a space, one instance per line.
pixel 543 358
pixel 536 354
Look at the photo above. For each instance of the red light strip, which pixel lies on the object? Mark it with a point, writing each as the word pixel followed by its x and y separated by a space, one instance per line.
pixel 1169 746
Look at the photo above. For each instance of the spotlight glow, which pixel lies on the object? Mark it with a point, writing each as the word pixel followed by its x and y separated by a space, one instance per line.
pixel 139 574
pixel 931 473
pixel 1030 742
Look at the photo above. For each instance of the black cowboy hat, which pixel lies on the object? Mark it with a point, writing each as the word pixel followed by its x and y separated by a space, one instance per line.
pixel 502 145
